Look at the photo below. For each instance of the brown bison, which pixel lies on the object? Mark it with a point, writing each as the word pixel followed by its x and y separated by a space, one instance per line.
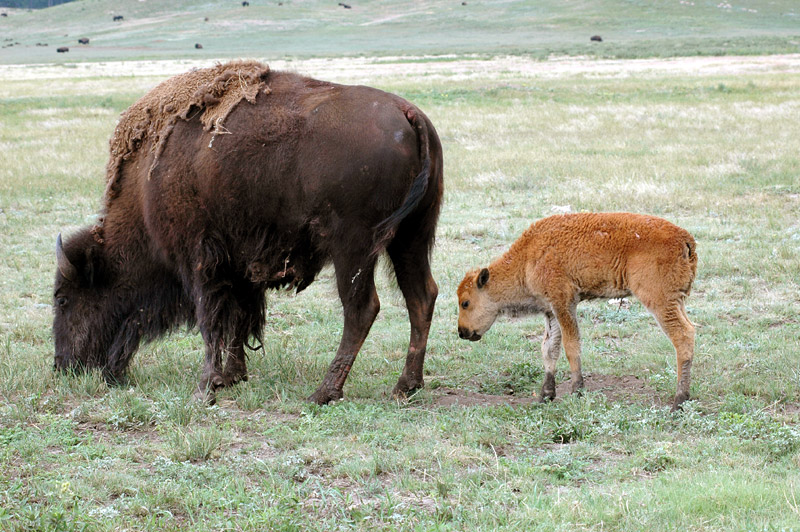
pixel 228 181
pixel 562 260
pixel 62 49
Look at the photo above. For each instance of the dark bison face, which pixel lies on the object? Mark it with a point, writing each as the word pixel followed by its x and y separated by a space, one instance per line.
pixel 83 321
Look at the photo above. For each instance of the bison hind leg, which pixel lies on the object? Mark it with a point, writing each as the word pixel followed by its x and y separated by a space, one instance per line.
pixel 409 253
pixel 355 282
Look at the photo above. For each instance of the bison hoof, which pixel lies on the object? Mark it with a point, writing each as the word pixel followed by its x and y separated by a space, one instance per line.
pixel 208 398
pixel 323 396
pixel 405 388
pixel 206 390
pixel 116 380
pixel 232 380
pixel 679 400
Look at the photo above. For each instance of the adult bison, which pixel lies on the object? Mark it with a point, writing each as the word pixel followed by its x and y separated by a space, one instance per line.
pixel 228 181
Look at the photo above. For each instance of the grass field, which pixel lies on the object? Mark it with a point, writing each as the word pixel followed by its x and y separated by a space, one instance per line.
pixel 715 153
pixel 709 143
pixel 313 28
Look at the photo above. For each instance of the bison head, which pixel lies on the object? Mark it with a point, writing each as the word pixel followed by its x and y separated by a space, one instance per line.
pixel 477 309
pixel 84 317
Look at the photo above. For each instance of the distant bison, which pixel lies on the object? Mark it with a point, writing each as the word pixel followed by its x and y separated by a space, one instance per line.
pixel 198 46
pixel 245 4
pixel 596 38
pixel 226 182
pixel 62 49
pixel 83 40
pixel 118 17
pixel 346 6
pixel 562 260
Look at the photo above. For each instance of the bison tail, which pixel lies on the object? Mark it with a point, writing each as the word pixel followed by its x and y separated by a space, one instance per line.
pixel 385 230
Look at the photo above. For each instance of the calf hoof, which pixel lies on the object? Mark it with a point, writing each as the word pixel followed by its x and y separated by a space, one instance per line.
pixel 679 400
pixel 323 396
pixel 548 388
pixel 577 385
pixel 405 387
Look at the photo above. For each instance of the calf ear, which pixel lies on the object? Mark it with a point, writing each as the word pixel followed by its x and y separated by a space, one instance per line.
pixel 483 278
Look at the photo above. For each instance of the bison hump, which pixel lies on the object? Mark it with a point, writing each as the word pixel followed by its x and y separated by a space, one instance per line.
pixel 211 93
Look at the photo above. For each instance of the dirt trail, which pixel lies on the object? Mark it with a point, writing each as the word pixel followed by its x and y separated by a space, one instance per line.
pixel 357 70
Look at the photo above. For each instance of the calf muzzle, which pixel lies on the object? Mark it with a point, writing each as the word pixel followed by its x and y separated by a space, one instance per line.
pixel 467 334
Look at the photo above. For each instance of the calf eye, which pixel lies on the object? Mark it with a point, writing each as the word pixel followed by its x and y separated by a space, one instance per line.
pixel 465 304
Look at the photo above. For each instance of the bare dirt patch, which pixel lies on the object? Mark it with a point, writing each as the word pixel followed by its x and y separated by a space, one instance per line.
pixel 625 388
pixel 459 397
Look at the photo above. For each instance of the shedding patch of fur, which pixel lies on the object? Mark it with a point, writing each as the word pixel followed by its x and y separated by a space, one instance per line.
pixel 211 93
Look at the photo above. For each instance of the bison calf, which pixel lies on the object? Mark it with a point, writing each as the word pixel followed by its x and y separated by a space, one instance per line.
pixel 562 260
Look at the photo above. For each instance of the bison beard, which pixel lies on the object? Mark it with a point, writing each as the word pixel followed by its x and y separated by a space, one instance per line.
pixel 226 182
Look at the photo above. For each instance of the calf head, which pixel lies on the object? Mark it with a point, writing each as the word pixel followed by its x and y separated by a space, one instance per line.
pixel 84 320
pixel 477 310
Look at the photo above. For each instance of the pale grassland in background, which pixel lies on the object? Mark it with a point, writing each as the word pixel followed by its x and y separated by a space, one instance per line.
pixel 715 152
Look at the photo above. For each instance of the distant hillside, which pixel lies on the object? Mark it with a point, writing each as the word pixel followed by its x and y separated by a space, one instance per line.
pixel 150 29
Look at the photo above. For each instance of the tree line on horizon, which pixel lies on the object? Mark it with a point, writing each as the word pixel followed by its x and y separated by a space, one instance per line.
pixel 31 4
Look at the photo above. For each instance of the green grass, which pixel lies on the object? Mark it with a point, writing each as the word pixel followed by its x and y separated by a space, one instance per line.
pixel 313 28
pixel 715 153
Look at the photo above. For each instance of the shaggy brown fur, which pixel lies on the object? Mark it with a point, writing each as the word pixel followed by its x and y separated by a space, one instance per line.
pixel 562 260
pixel 209 93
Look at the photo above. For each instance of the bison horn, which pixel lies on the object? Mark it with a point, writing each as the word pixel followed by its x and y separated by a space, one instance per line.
pixel 67 269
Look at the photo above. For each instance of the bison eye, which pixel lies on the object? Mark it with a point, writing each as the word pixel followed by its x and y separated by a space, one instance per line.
pixel 61 301
pixel 465 304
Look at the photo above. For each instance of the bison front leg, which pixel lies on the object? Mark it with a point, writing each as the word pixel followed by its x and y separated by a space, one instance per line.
pixel 361 305
pixel 414 278
pixel 211 378
pixel 235 366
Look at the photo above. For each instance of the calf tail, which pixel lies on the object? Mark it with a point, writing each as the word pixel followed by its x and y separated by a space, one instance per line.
pixel 690 256
pixel 386 229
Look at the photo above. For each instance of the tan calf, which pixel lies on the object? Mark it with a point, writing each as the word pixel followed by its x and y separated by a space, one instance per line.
pixel 562 260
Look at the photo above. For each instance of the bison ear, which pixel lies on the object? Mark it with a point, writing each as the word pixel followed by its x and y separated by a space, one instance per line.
pixel 67 269
pixel 483 278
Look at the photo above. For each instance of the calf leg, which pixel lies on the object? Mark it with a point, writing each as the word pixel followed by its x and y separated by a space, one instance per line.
pixel 412 268
pixel 570 336
pixel 360 303
pixel 551 349
pixel 675 323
